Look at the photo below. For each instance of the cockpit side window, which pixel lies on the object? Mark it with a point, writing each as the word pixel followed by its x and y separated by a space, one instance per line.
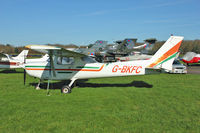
pixel 65 60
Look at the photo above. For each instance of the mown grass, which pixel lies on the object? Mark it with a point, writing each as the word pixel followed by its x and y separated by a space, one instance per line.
pixel 172 104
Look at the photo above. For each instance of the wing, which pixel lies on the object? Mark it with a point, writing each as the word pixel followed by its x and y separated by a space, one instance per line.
pixel 52 50
pixel 140 46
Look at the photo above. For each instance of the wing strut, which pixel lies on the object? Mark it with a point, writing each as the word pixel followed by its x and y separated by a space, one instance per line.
pixel 51 63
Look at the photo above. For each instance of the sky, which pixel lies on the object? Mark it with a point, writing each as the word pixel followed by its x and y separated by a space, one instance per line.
pixel 82 22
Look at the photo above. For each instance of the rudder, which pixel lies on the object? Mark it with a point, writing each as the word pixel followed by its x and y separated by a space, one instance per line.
pixel 165 56
pixel 21 56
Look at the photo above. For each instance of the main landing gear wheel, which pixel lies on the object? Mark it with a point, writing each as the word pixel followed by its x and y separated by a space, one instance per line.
pixel 66 89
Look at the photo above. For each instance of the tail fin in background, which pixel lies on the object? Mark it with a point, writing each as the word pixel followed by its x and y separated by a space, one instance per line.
pixel 21 56
pixel 129 43
pixel 44 57
pixel 165 56
pixel 97 46
pixel 149 44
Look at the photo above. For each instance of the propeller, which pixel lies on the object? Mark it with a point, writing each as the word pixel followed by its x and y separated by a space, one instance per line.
pixel 24 70
pixel 24 76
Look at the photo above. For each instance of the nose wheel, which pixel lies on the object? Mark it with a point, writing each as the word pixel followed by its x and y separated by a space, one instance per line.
pixel 66 89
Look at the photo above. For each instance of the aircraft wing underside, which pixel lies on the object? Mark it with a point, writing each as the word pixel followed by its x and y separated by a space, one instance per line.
pixel 51 50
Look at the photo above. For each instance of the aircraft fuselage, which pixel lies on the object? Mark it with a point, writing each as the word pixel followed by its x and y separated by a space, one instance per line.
pixel 81 70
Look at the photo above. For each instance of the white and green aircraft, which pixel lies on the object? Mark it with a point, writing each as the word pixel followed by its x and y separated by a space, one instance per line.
pixel 64 64
pixel 9 62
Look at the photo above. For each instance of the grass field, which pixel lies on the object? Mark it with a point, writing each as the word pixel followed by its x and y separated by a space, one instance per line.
pixel 152 103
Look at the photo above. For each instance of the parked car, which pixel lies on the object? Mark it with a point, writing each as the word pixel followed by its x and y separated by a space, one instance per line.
pixel 178 67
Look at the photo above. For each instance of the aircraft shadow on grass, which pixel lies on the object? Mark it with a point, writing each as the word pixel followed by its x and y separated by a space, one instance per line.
pixel 10 71
pixel 81 83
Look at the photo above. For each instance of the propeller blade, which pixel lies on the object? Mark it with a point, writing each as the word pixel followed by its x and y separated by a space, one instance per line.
pixel 24 70
pixel 24 76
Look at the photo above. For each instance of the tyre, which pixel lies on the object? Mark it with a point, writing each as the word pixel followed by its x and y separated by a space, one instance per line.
pixel 66 89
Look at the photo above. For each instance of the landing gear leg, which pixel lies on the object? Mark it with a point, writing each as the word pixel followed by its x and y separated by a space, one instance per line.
pixel 38 85
pixel 67 88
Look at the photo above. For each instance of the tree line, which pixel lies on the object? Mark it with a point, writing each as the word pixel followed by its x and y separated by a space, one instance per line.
pixel 186 46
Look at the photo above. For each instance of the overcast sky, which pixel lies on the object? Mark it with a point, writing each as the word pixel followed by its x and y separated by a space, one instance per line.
pixel 82 22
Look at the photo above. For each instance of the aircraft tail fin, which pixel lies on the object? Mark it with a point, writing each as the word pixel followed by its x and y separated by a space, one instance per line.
pixel 165 56
pixel 21 56
pixel 149 44
pixel 98 46
pixel 45 57
pixel 130 43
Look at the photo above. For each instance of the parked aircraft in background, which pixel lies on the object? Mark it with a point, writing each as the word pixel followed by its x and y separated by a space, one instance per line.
pixel 135 57
pixel 64 64
pixel 101 51
pixel 118 49
pixel 101 48
pixel 191 57
pixel 12 62
pixel 149 44
pixel 97 47
pixel 143 54
pixel 7 62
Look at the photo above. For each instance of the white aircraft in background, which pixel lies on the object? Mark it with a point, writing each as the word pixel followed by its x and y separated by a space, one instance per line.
pixel 64 64
pixel 148 45
pixel 191 57
pixel 8 62
pixel 135 57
